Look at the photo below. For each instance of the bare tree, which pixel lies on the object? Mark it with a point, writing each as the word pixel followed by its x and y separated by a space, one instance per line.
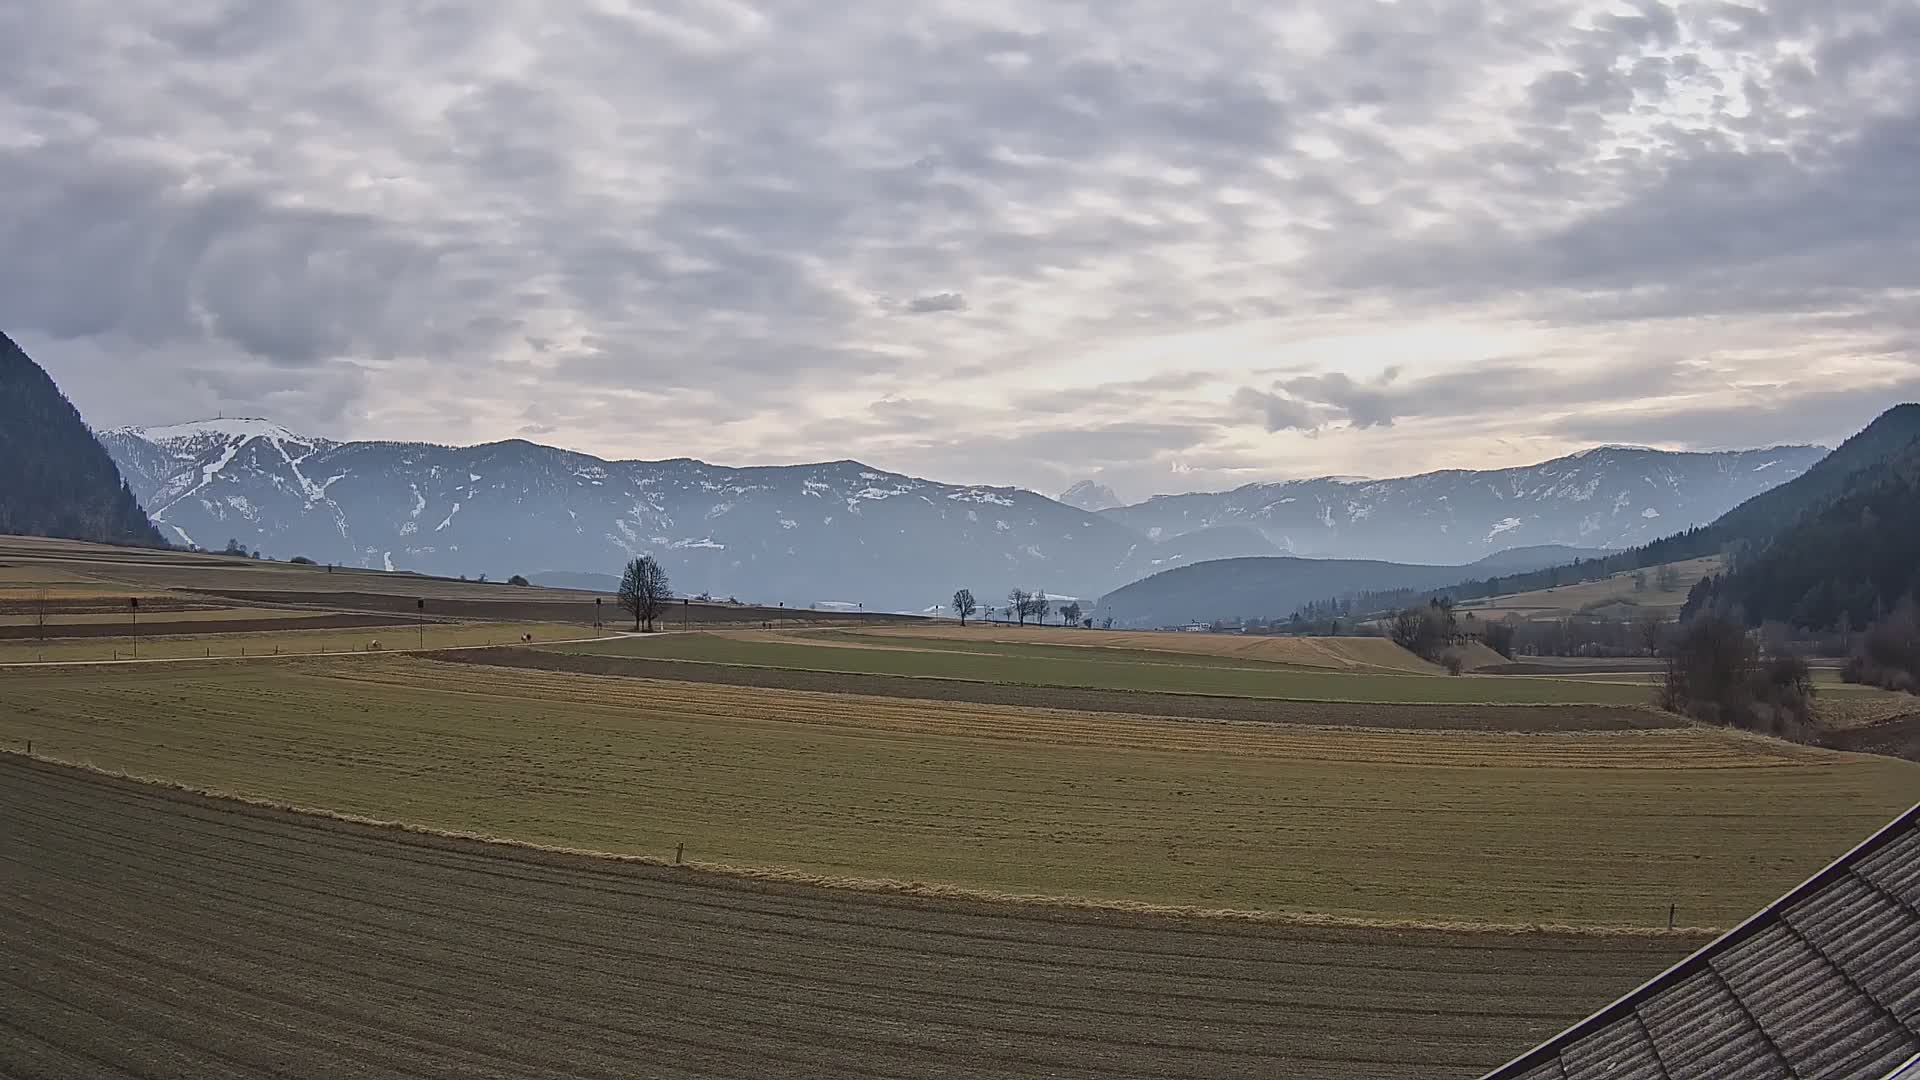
pixel 964 605
pixel 644 591
pixel 1070 614
pixel 1040 606
pixel 1666 578
pixel 1651 629
pixel 1020 604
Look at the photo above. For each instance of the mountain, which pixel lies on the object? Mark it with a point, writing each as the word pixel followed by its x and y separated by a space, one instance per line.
pixel 839 531
pixel 1272 588
pixel 1610 497
pixel 799 534
pixel 55 478
pixel 1524 559
pixel 1089 496
pixel 1842 546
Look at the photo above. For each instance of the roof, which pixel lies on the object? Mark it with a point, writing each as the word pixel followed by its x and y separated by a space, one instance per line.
pixel 1825 982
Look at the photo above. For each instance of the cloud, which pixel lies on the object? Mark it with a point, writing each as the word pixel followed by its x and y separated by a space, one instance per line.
pixel 946 301
pixel 1156 239
pixel 1280 412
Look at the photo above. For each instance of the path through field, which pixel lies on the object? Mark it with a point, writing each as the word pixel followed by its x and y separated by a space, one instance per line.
pixel 152 933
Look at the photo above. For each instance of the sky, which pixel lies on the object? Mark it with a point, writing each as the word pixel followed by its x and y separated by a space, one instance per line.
pixel 1166 246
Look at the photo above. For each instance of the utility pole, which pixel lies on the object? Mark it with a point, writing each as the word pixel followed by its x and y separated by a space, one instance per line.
pixel 133 605
pixel 596 613
pixel 420 606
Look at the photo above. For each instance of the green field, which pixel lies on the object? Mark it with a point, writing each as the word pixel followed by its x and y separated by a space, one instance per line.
pixel 1141 670
pixel 1577 828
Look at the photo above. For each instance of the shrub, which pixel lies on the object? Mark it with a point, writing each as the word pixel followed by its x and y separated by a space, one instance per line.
pixel 518 579
pixel 1715 675
pixel 1452 661
pixel 1888 654
pixel 301 560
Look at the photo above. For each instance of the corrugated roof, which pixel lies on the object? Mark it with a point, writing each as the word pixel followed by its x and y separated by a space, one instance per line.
pixel 1824 983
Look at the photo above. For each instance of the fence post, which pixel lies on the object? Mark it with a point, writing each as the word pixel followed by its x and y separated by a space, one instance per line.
pixel 678 851
pixel 1671 908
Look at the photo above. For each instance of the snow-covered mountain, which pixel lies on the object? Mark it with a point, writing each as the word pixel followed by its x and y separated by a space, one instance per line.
pixel 800 534
pixel 1088 495
pixel 1608 497
pixel 842 531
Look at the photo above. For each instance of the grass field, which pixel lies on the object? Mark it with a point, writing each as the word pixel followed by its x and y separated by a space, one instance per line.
pixel 1413 717
pixel 1588 829
pixel 1108 669
pixel 436 635
pixel 1614 596
pixel 149 932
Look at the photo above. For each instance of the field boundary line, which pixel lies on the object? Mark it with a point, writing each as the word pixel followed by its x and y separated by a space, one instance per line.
pixel 900 888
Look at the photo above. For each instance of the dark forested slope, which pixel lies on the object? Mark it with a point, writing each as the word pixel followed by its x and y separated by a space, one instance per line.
pixel 55 477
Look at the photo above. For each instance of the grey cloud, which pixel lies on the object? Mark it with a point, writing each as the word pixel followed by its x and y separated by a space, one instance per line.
pixel 690 208
pixel 1280 413
pixel 1806 415
pixel 946 301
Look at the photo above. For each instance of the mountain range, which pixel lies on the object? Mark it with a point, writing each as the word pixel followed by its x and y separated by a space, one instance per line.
pixel 1608 497
pixel 842 531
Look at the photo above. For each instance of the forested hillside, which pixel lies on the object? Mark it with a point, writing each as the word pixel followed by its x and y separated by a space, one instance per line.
pixel 55 477
pixel 1840 565
pixel 1854 473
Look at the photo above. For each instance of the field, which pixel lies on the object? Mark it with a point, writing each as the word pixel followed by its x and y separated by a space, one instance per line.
pixel 151 932
pixel 1576 828
pixel 275 640
pixel 1334 654
pixel 1104 668
pixel 912 849
pixel 1614 596
pixel 101 579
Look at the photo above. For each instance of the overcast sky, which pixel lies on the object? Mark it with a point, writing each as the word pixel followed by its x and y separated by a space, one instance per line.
pixel 1166 245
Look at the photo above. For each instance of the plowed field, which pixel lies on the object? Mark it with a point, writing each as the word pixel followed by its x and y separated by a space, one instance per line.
pixel 151 933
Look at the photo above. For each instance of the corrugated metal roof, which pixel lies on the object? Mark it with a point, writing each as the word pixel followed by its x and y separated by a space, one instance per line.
pixel 1824 983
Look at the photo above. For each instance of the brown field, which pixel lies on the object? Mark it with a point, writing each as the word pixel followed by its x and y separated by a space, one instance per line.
pixel 1519 718
pixel 191 623
pixel 153 932
pixel 335 633
pixel 1338 654
pixel 79 577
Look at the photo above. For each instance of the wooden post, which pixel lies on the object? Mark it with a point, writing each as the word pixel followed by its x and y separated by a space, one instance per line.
pixel 678 849
pixel 29 747
pixel 1671 908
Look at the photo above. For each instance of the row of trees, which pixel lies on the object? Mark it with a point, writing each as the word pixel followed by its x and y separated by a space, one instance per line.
pixel 1022 605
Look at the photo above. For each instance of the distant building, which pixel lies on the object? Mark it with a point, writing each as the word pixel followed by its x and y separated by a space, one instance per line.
pixel 1825 982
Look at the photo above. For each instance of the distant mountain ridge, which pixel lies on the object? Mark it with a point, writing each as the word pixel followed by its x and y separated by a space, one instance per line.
pixel 841 530
pixel 55 477
pixel 1607 497
pixel 798 534
pixel 1273 588
pixel 1087 495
